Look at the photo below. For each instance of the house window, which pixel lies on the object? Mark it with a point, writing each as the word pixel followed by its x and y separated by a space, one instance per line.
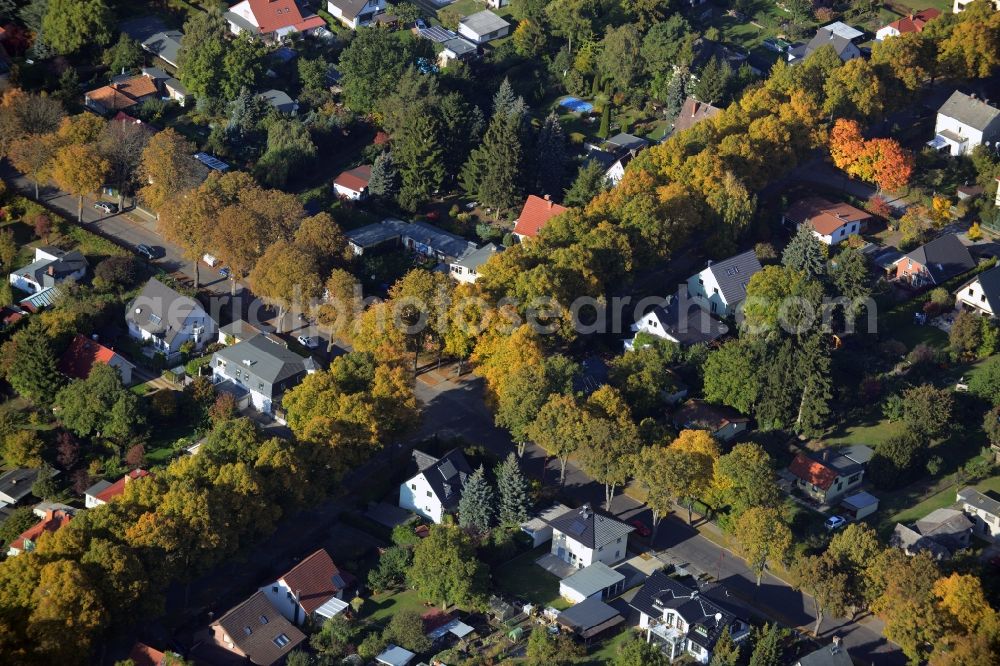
pixel 619 539
pixel 260 387
pixel 274 588
pixel 970 291
pixel 715 290
pixel 600 549
pixel 429 493
pixel 263 619
pixel 281 640
pixel 413 486
pixel 854 477
pixel 701 282
pixel 247 630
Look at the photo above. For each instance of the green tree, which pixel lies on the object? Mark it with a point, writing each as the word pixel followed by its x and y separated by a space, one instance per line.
pixel 529 39
pixel 805 253
pixel 927 410
pixel 100 406
pixel 18 521
pixel 986 382
pixel 895 460
pixel 124 57
pixel 550 157
pixel 385 178
pixel 242 65
pixel 445 568
pixel 513 489
pixel 334 637
pixel 23 448
pixel 393 564
pixel 644 376
pixel 544 649
pixel 731 375
pixel 406 628
pixel 965 335
pixel 604 129
pixel 662 44
pixel 714 82
pixel 589 182
pixel 744 478
pixel 501 161
pixel 202 54
pixel 419 155
pixel 762 535
pixel 34 375
pixel 70 25
pixel 559 429
pixel 726 652
pixel 525 391
pixel 476 506
pixel 612 441
pixel 312 74
pixel 767 646
pixel 813 361
pixel 290 151
pixel 637 652
pixel 620 60
pixel 371 66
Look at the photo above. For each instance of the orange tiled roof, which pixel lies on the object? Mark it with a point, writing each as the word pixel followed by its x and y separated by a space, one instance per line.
pixel 123 94
pixel 355 179
pixel 812 471
pixel 53 520
pixel 143 655
pixel 535 214
pixel 274 15
pixel 118 487
pixel 81 356
pixel 915 22
pixel 316 580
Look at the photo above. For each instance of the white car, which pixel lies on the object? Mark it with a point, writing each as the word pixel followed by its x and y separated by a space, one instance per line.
pixel 835 523
pixel 308 342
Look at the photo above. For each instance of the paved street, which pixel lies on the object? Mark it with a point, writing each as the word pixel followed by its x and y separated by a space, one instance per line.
pixel 457 410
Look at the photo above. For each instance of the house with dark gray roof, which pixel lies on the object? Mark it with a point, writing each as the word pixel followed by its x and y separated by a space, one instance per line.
pixel 466 269
pixel 263 367
pixel 685 620
pixel 50 267
pixel 166 320
pixel 16 484
pixel 355 13
pixel 280 101
pixel 722 286
pixel 597 580
pixel 584 536
pixel 256 632
pixel 589 618
pixel 839 36
pixel 834 654
pixel 964 122
pixel 679 320
pixel 983 511
pixel 936 262
pixel 437 486
pixel 165 45
pixel 981 294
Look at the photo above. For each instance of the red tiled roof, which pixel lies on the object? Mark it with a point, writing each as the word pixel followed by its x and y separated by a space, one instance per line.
pixel 313 579
pixel 118 487
pixel 812 471
pixel 535 214
pixel 81 356
pixel 143 655
pixel 825 216
pixel 274 15
pixel 53 520
pixel 915 22
pixel 355 179
pixel 123 94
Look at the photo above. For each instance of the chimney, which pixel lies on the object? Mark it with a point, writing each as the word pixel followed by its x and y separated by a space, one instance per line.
pixel 51 270
pixel 708 264
pixel 694 109
pixel 826 455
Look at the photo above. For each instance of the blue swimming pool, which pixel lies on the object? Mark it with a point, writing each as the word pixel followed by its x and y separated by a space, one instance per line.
pixel 576 105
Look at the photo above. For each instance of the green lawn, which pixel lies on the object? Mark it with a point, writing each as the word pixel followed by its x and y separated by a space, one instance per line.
pixel 380 607
pixel 521 577
pixel 940 500
pixel 607 650
pixel 869 435
pixel 906 6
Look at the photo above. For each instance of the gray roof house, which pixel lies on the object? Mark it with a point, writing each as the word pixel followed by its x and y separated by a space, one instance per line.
pixel 936 262
pixel 466 269
pixel 50 267
pixel 838 35
pixel 589 618
pixel 833 654
pixel 165 45
pixel 673 321
pixel 584 536
pixel 280 101
pixel 483 27
pixel 15 485
pixel 662 601
pixel 941 533
pixel 981 293
pixel 722 286
pixel 983 511
pixel 259 369
pixel 964 122
pixel 597 580
pixel 167 320
pixel 436 487
pixel 419 237
pixel 626 142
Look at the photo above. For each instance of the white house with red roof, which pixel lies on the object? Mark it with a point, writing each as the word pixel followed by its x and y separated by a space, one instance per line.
pixel 83 353
pixel 353 183
pixel 915 22
pixel 271 19
pixel 103 491
pixel 831 223
pixel 28 539
pixel 315 587
pixel 535 214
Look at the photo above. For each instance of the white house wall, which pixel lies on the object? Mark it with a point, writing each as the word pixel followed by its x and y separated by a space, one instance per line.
pixel 417 496
pixel 973 297
pixel 708 294
pixel 973 136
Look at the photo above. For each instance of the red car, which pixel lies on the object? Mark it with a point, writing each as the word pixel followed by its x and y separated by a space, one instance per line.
pixel 640 527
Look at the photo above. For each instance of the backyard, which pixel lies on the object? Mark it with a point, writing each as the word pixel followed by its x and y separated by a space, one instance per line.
pixel 522 578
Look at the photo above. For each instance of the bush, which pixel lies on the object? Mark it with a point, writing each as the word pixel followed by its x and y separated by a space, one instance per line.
pixel 894 461
pixel 117 273
pixel 406 628
pixel 986 382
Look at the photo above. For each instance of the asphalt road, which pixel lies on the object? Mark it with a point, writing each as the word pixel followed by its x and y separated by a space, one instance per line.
pixel 458 410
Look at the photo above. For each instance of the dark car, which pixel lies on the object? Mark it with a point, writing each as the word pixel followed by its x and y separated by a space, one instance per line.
pixel 146 251
pixel 640 528
pixel 224 272
pixel 106 207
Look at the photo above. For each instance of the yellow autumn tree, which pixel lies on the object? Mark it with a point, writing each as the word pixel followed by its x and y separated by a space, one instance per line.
pixel 79 170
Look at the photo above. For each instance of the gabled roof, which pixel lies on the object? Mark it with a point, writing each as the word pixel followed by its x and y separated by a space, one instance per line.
pixel 316 579
pixel 143 655
pixel 51 265
pixel 590 528
pixel 355 179
pixel 825 216
pixel 480 256
pixel 733 275
pixel 275 15
pixel 915 22
pixel 914 542
pixel 705 617
pixel 968 110
pixel 239 329
pixel 255 625
pixel 692 113
pixel 166 45
pixel 161 311
pixel 944 257
pixel 123 93
pixel 825 37
pixel 989 282
pixel 15 485
pixel 702 415
pixel 279 100
pixel 118 487
pixel 349 9
pixel 944 523
pixel 828 655
pixel 535 213
pixel 626 142
pixel 695 327
pixel 446 477
pixel 52 521
pixel 81 355
pixel 590 617
pixel 813 471
pixel 841 29
pixel 484 22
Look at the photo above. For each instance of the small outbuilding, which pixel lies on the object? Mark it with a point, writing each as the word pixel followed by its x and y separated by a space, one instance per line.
pixel 538 527
pixel 482 27
pixel 589 618
pixel 597 581
pixel 859 505
pixel 395 656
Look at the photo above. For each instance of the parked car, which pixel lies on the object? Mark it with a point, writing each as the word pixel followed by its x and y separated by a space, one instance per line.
pixel 835 523
pixel 640 527
pixel 210 260
pixel 146 251
pixel 224 272
pixel 106 207
pixel 308 342
pixel 421 24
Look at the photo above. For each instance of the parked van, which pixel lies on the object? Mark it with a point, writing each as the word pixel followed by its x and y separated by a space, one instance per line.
pixel 210 260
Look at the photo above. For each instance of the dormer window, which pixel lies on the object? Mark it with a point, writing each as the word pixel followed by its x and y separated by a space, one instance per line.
pixel 247 630
pixel 281 640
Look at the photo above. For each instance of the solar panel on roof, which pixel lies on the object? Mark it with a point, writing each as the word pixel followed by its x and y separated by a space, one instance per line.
pixel 211 162
pixel 448 469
